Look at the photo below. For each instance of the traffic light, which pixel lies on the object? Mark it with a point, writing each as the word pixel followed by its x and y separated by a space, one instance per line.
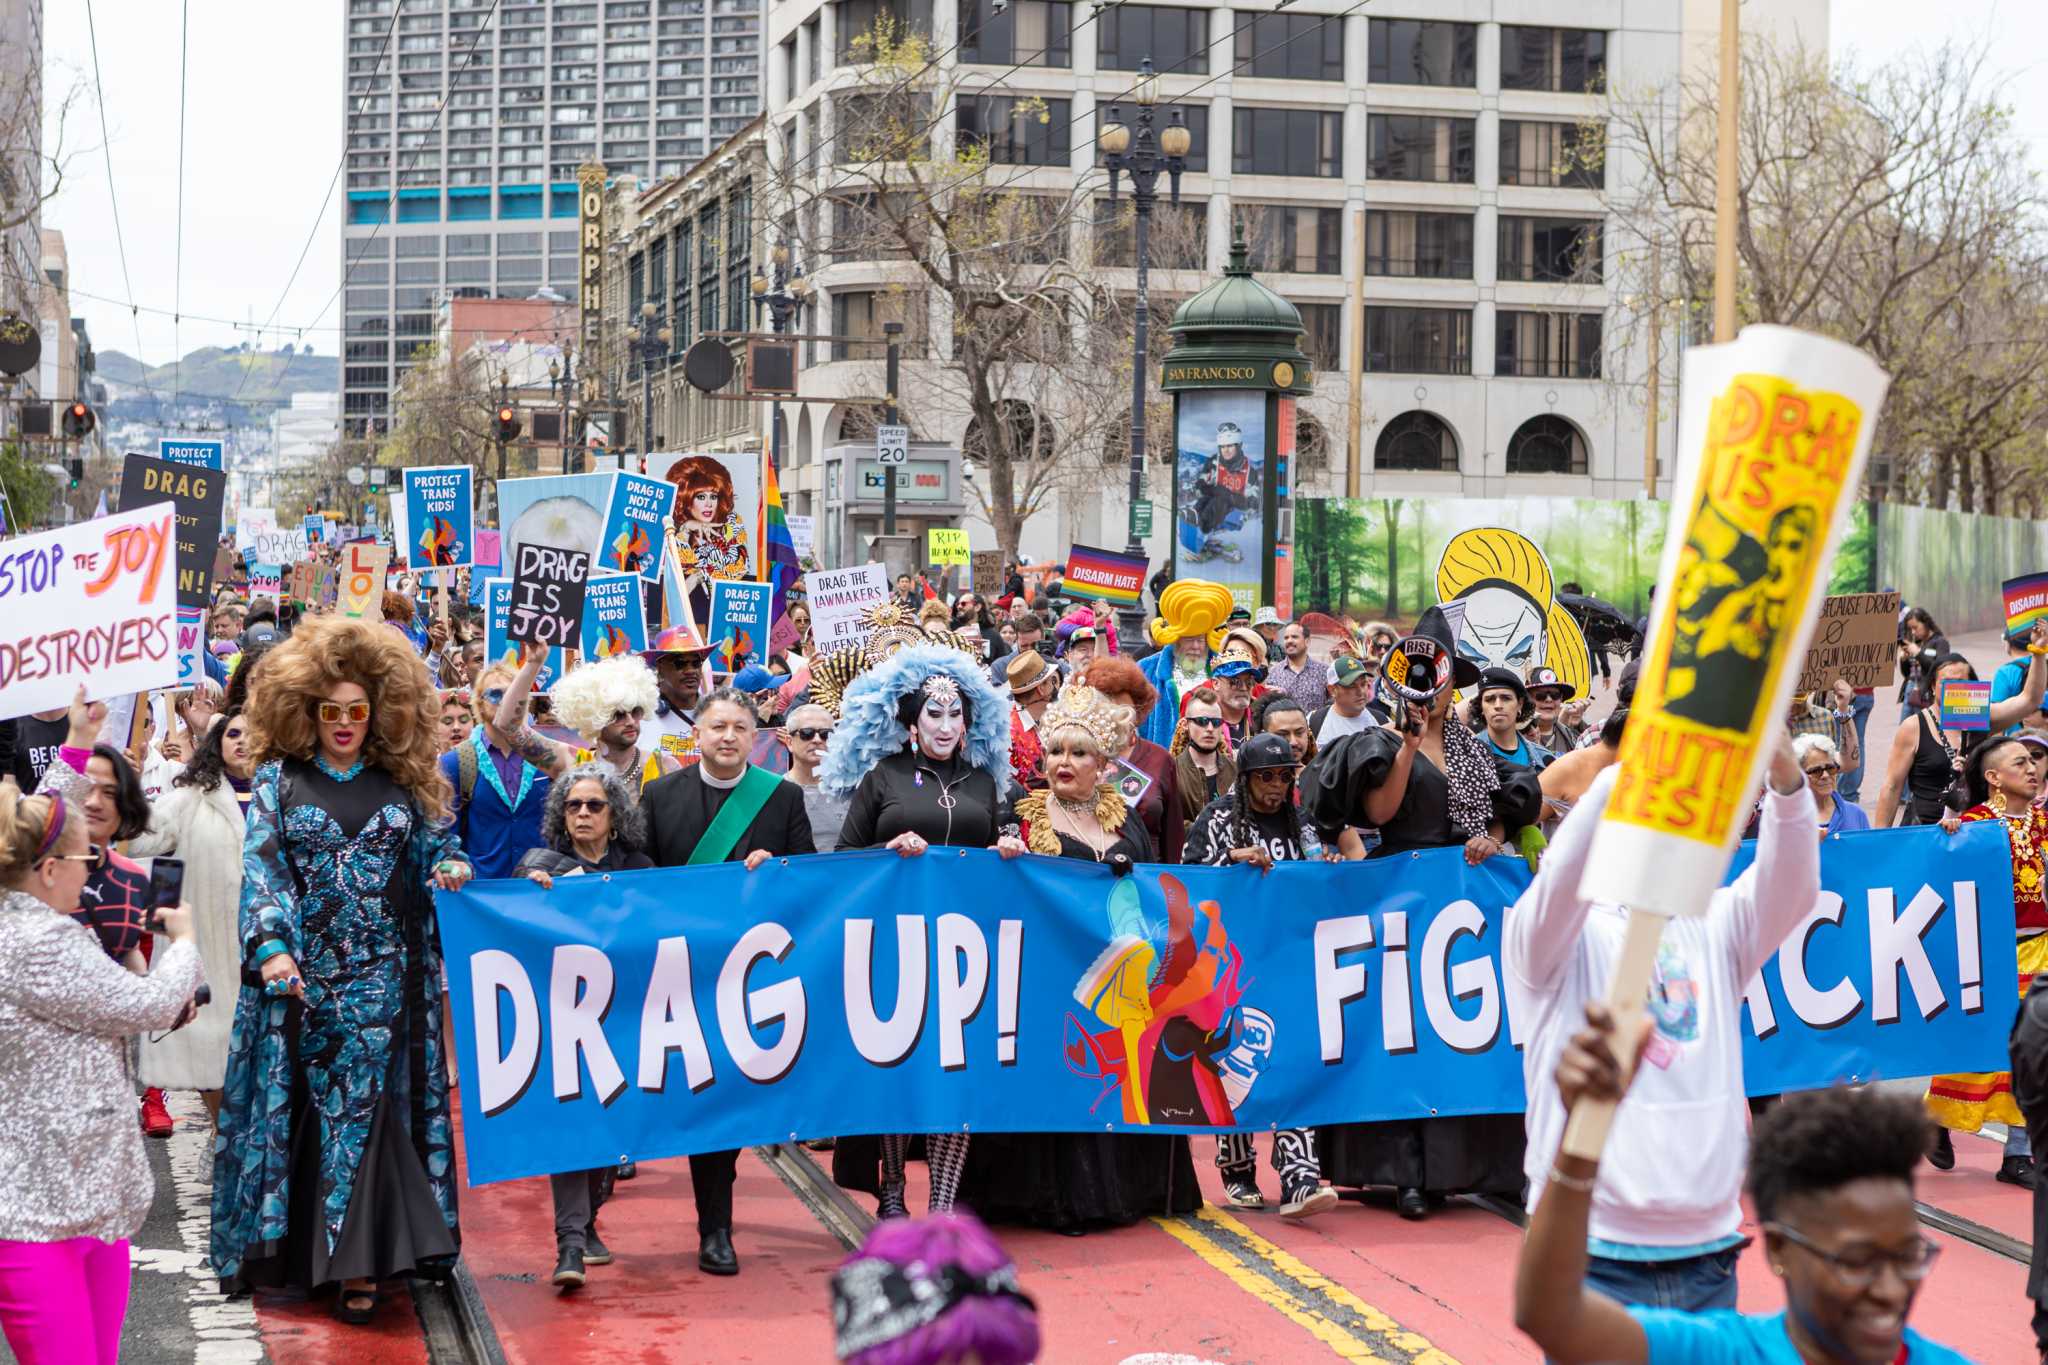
pixel 76 468
pixel 508 423
pixel 78 421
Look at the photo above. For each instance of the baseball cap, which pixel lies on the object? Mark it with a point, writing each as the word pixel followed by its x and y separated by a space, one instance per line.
pixel 753 678
pixel 1347 670
pixel 1547 677
pixel 1266 617
pixel 1265 751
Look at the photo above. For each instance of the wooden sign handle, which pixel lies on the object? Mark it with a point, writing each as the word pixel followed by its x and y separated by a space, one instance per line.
pixel 1585 1135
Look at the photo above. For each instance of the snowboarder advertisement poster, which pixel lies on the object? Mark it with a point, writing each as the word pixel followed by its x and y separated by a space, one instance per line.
pixel 1221 439
pixel 439 517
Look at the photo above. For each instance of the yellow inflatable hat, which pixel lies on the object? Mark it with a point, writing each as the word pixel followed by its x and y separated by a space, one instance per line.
pixel 1191 607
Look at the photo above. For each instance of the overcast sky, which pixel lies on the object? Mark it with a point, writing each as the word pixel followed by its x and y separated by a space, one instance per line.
pixel 263 134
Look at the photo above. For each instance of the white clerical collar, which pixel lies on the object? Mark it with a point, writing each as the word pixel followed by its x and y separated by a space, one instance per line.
pixel 722 783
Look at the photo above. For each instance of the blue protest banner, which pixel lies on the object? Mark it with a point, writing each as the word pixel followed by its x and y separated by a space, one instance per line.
pixel 614 616
pixel 635 519
pixel 440 529
pixel 737 628
pixel 498 644
pixel 208 454
pixel 684 1010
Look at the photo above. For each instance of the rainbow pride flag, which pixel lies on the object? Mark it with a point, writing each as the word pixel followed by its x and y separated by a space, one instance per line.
pixel 2026 601
pixel 1105 575
pixel 779 563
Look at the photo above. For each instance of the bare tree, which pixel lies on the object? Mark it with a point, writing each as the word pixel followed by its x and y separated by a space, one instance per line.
pixel 34 158
pixel 1894 210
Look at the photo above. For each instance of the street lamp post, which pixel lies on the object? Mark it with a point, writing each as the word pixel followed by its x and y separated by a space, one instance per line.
pixel 562 379
pixel 1142 156
pixel 784 297
pixel 651 345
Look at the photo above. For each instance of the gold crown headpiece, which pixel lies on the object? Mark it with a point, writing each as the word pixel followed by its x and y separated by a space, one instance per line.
pixel 1087 710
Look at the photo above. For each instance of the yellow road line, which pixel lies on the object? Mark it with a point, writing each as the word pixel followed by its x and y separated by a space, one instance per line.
pixel 1345 1345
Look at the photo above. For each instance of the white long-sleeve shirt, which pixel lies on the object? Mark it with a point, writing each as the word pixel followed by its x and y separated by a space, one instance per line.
pixel 1672 1172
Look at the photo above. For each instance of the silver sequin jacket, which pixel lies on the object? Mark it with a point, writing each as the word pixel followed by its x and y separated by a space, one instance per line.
pixel 71 1158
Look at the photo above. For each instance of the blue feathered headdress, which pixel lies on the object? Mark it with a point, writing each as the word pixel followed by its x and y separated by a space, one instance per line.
pixel 868 730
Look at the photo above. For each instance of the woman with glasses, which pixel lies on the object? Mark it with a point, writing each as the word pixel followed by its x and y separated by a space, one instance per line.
pixel 334 1162
pixel 1831 1179
pixel 1821 761
pixel 77 1183
pixel 592 824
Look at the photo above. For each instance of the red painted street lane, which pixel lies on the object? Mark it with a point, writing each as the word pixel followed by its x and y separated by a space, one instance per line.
pixel 1973 1191
pixel 304 1332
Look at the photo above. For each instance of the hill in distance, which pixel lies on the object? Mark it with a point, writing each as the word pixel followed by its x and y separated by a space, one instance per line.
pixel 212 372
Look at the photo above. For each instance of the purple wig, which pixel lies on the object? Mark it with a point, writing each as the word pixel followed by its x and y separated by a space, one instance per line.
pixel 996 1327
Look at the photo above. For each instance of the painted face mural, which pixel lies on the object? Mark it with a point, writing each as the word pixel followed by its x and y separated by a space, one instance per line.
pixel 1512 619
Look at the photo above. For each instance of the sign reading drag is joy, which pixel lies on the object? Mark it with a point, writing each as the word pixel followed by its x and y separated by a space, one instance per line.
pixel 439 517
pixel 635 518
pixel 686 1010
pixel 93 603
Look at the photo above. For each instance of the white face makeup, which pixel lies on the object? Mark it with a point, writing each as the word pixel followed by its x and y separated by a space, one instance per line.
pixel 940 724
pixel 1502 630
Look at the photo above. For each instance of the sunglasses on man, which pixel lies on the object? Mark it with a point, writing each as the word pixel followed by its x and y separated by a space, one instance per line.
pixel 808 733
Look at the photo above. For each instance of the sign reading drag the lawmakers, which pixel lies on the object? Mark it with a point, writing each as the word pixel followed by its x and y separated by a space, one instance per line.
pixel 614 616
pixel 838 597
pixel 738 627
pixel 198 494
pixel 206 454
pixel 681 1010
pixel 547 597
pixel 500 647
pixel 440 531
pixel 636 517
pixel 95 603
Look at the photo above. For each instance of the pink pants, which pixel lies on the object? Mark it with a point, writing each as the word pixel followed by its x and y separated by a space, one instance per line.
pixel 61 1303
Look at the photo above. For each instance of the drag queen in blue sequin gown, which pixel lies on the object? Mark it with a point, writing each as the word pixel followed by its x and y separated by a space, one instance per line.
pixel 333 1164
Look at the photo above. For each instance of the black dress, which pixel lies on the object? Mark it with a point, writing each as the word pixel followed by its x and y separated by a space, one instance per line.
pixel 1481 1153
pixel 1075 1181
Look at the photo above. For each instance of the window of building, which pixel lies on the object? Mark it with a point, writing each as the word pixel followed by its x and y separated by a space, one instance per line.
pixel 1194 116
pixel 519 243
pixel 469 244
pixel 1306 241
pixel 1418 340
pixel 1287 142
pixel 1535 345
pixel 1299 47
pixel 1322 333
pixel 366 351
pixel 1423 52
pixel 365 298
pixel 1547 445
pixel 881 127
pixel 816 69
pixel 1026 33
pixel 862 313
pixel 1422 147
pixel 417 298
pixel 469 272
pixel 1174 39
pixel 368 272
pixel 739 246
pixel 707 265
pixel 1017 131
pixel 1405 243
pixel 1178 238
pixel 1416 441
pixel 419 272
pixel 1550 250
pixel 1562 155
pixel 858 20
pixel 1569 60
pixel 419 246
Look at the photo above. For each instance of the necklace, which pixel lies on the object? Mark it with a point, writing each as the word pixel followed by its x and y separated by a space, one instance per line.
pixel 348 774
pixel 1075 808
pixel 1073 811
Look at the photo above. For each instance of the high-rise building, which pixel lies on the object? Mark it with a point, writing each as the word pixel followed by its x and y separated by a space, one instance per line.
pixel 465 125
pixel 21 150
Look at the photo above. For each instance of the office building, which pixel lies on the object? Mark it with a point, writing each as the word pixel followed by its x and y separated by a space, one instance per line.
pixel 477 199
pixel 21 169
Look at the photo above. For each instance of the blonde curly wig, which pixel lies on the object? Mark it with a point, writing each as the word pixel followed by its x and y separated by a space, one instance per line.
pixel 591 695
pixel 405 710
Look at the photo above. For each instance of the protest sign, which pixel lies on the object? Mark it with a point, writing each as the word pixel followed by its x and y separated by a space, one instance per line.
pixel 988 574
pixel 266 580
pixel 948 546
pixel 191 629
pixel 838 597
pixel 361 594
pixel 803 532
pixel 489 549
pixel 675 1010
pixel 1855 639
pixel 737 630
pixel 1965 704
pixel 1105 575
pixel 316 530
pixel 439 517
pixel 614 616
pixel 203 454
pixel 197 492
pixel 2026 601
pixel 262 541
pixel 499 647
pixel 224 562
pixel 547 596
pixel 636 516
pixel 95 603
pixel 305 581
pixel 551 509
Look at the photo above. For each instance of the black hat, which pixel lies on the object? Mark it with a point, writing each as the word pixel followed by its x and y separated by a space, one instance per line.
pixel 1547 677
pixel 1266 751
pixel 1491 678
pixel 1422 664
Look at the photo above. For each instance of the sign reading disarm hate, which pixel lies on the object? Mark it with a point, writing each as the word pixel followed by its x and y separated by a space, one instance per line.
pixel 684 1010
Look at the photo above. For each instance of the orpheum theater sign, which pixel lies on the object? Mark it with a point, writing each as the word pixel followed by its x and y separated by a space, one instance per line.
pixel 590 180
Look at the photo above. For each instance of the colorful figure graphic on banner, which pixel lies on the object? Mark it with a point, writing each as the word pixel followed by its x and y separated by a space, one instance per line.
pixel 1512 617
pixel 630 550
pixel 438 542
pixel 1734 595
pixel 1168 993
pixel 612 641
pixel 711 537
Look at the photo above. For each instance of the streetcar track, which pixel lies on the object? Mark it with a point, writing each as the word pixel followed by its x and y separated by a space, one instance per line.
pixel 829 1204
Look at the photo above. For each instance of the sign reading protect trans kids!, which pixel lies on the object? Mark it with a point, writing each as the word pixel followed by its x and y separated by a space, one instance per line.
pixel 209 454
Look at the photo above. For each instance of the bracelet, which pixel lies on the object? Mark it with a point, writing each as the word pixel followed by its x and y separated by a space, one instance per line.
pixel 1583 1184
pixel 271 948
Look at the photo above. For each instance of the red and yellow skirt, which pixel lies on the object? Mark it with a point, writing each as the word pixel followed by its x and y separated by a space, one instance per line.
pixel 1966 1101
